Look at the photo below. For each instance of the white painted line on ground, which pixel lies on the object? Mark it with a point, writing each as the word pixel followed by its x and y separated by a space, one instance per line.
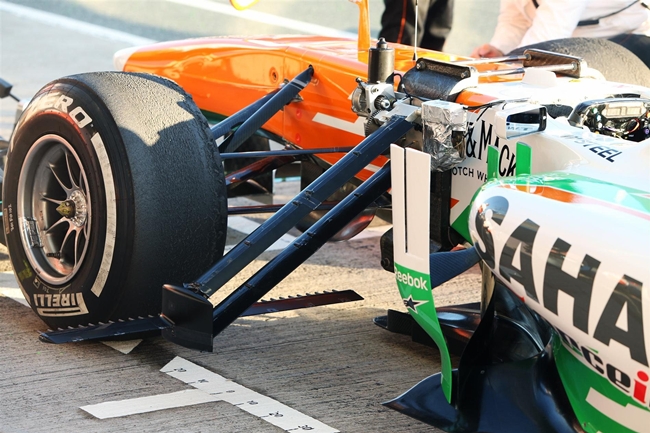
pixel 14 294
pixel 114 409
pixel 272 411
pixel 247 226
pixel 264 18
pixel 371 232
pixel 210 387
pixel 9 288
pixel 123 346
pixel 49 18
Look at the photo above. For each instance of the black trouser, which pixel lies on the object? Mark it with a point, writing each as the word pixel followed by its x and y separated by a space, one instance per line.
pixel 638 44
pixel 434 18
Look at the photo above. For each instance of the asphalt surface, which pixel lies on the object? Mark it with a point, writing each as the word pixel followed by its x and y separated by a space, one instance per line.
pixel 331 364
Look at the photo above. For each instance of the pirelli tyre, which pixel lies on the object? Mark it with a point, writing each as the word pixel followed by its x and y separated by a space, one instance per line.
pixel 113 187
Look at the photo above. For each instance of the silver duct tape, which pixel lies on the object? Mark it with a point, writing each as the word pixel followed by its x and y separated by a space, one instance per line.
pixel 444 128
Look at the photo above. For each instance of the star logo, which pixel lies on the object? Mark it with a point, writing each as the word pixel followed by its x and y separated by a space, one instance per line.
pixel 413 304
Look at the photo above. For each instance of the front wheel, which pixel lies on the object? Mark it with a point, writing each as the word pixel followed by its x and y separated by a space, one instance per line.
pixel 113 187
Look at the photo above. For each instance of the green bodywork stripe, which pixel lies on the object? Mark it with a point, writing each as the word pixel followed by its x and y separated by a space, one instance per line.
pixel 589 187
pixel 524 162
pixel 492 163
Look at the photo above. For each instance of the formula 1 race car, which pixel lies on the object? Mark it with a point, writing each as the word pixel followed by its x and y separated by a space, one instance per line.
pixel 535 165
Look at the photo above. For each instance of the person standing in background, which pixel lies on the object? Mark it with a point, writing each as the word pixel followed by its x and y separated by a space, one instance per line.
pixel 434 22
pixel 526 22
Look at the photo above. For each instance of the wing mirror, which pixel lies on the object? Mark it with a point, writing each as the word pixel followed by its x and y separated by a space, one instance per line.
pixel 520 120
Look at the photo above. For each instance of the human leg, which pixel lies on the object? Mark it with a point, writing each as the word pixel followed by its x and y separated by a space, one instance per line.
pixel 398 20
pixel 438 24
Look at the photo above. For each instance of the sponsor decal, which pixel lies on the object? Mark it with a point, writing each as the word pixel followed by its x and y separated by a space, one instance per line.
pixel 469 172
pixel 8 219
pixel 476 147
pixel 413 304
pixel 77 114
pixel 606 152
pixel 59 304
pixel 54 302
pixel 418 282
pixel 25 273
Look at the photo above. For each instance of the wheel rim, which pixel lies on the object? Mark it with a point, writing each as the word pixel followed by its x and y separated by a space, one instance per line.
pixel 54 209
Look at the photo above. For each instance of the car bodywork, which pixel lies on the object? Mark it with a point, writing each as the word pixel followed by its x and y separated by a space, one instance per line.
pixel 556 208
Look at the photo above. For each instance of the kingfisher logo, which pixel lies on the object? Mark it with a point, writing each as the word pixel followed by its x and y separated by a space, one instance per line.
pixel 406 278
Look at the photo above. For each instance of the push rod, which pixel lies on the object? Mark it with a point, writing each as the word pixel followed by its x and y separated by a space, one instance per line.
pixel 299 251
pixel 306 201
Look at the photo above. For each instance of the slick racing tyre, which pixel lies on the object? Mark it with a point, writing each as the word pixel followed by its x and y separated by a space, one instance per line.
pixel 610 59
pixel 113 187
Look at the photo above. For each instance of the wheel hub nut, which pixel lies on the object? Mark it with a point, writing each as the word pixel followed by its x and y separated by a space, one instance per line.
pixel 74 208
pixel 66 208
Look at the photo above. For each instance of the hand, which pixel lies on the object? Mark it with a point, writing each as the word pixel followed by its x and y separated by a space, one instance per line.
pixel 486 50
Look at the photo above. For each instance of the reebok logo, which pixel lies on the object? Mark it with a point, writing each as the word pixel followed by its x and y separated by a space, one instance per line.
pixel 409 280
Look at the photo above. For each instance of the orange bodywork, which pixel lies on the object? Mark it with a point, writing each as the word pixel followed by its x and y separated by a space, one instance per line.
pixel 223 75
